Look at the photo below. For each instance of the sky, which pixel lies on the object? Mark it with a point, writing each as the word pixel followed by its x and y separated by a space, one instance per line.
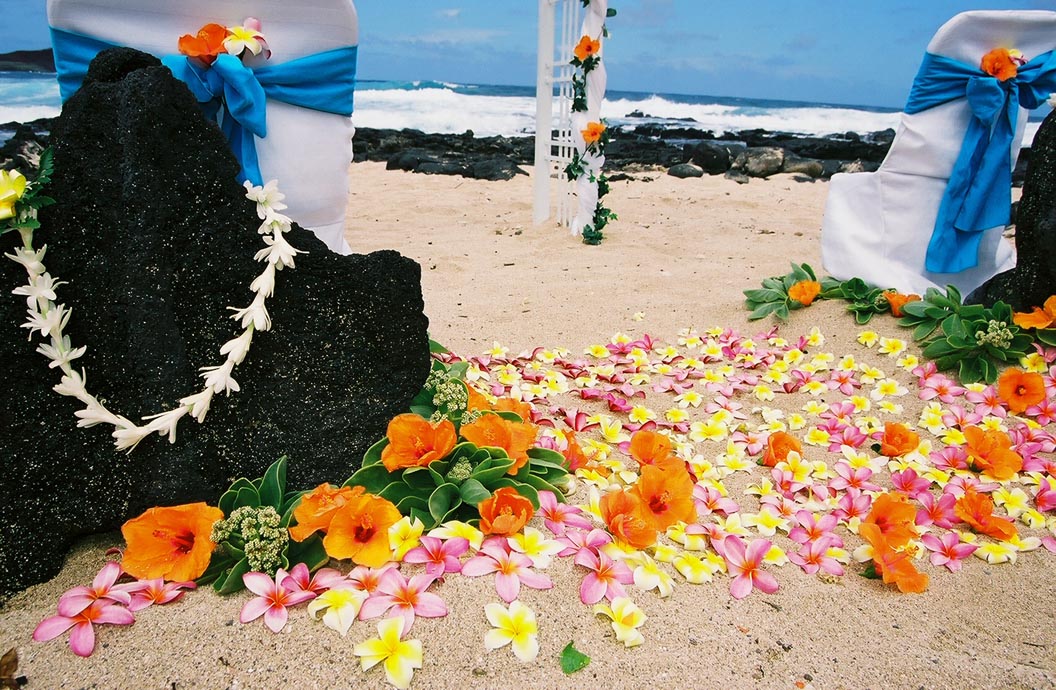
pixel 859 52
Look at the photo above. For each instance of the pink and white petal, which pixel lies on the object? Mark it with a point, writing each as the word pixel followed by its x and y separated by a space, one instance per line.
pixel 592 589
pixel 254 609
pixel 275 618
pixel 51 627
pixel 508 586
pixel 107 576
pixel 430 606
pixel 741 586
pixel 299 576
pixel 479 565
pixel 259 583
pixel 765 582
pixel 615 589
pixel 295 598
pixel 757 550
pixel 82 639
pixel 375 605
pixel 114 615
pixel 407 614
pixel 141 601
pixel 70 604
pixel 535 580
pixel 119 596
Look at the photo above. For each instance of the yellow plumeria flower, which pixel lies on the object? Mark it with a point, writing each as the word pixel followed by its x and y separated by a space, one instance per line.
pixel 869 424
pixel 736 463
pixel 457 528
pixel 889 407
pixel 664 553
pixel 341 606
pixel 868 338
pixel 1024 543
pixel 612 431
pixel 732 525
pixel 708 431
pixel 641 415
pixel 997 552
pixel 796 421
pixel 404 536
pixel 1032 518
pixel 1034 362
pixel 689 398
pixel 817 437
pixel 954 437
pixel 775 377
pixel 815 338
pixel 800 468
pixel 766 522
pixel 240 38
pixel 887 387
pixel 931 419
pixel 861 403
pixel 691 542
pixel 535 545
pixel 1014 501
pixel 815 387
pixel 626 618
pixel 619 551
pixel 870 374
pixel 713 376
pixel 841 555
pixel 815 407
pixel 515 626
pixel 763 488
pixel 712 349
pixel 12 188
pixel 909 362
pixel 891 346
pixel 775 555
pixel 780 365
pixel 498 350
pixel 400 657
pixel 763 392
pixel 777 341
pixel 649 575
pixel 847 363
pixel 676 415
pixel 638 315
pixel 597 351
pixel 694 569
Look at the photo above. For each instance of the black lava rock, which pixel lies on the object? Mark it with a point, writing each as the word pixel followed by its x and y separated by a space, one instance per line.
pixel 684 170
pixel 714 159
pixel 1033 280
pixel 156 240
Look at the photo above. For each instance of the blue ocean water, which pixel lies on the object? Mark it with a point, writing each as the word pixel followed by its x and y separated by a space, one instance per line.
pixel 510 110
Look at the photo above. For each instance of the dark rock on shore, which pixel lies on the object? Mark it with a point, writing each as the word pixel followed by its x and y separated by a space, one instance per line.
pixel 1033 280
pixel 684 170
pixel 762 161
pixel 156 239
pixel 714 159
pixel 28 61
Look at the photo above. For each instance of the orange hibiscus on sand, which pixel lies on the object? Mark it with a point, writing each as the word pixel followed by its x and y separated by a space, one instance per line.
pixel 359 530
pixel 171 542
pixel 492 431
pixel 894 517
pixel 318 508
pixel 896 567
pixel 896 300
pixel 804 292
pixel 778 445
pixel 415 441
pixel 1038 317
pixel 652 448
pixel 990 451
pixel 505 512
pixel 898 440
pixel 1020 389
pixel 666 496
pixel 622 512
pixel 978 511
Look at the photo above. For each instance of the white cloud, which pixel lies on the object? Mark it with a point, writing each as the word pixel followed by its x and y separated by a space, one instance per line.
pixel 452 13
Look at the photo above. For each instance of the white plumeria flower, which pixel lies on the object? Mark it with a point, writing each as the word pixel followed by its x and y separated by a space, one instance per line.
pixel 164 423
pixel 129 438
pixel 95 413
pixel 198 404
pixel 237 348
pixel 40 291
pixel 73 385
pixel 278 251
pixel 219 379
pixel 341 604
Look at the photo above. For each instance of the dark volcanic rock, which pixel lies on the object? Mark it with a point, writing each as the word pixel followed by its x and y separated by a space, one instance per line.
pixel 1033 280
pixel 805 166
pixel 495 169
pixel 684 170
pixel 22 150
pixel 156 239
pixel 760 161
pixel 714 159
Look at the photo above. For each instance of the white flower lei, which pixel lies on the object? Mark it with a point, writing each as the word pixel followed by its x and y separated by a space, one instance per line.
pixel 50 319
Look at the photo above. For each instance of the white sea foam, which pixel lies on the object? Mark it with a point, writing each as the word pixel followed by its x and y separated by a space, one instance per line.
pixel 25 113
pixel 445 111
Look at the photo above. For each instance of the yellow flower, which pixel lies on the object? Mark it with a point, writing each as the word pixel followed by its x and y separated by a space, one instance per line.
pixel 404 535
pixel 626 618
pixel 817 437
pixel 1034 362
pixel 909 362
pixel 696 570
pixel 514 626
pixel 664 553
pixel 997 552
pixel 342 606
pixel 649 575
pixel 534 544
pixel 689 398
pixel 891 346
pixel 401 657
pixel 868 338
pixel 775 555
pixel 1014 501
pixel 641 415
pixel 766 522
pixel 763 392
pixel 815 338
pixel 12 187
pixel 457 528
pixel 708 431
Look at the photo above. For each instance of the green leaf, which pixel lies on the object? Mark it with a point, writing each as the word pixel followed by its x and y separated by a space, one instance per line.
pixel 289 505
pixel 373 454
pixel 863 317
pixel 1046 336
pixel 424 516
pixel 310 552
pixel 442 501
pixel 540 484
pixel 971 369
pixel 952 325
pixel 247 496
pixel 782 311
pixel 765 295
pixel 231 581
pixel 373 478
pixel 573 660
pixel 491 469
pixel 545 456
pixel 764 310
pixel 938 348
pixel 437 348
pixel 274 485
pixel 397 491
pixel 419 478
pixel 473 492
pixel 924 330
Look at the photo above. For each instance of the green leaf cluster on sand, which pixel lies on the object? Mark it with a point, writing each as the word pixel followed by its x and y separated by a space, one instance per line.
pixel 773 297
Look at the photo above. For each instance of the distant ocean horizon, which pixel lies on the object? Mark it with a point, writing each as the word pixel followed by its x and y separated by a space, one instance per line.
pixel 488 110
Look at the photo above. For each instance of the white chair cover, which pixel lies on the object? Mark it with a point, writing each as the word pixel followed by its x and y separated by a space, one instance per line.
pixel 877 225
pixel 307 151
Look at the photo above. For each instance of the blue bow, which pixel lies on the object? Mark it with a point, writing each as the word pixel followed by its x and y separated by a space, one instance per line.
pixel 978 195
pixel 229 91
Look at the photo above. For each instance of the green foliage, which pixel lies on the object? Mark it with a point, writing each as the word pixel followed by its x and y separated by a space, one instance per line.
pixel 773 297
pixel 452 487
pixel 865 300
pixel 573 660
pixel 973 339
pixel 444 394
pixel 33 199
pixel 255 512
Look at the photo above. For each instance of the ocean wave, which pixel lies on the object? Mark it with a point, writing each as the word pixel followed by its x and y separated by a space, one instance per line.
pixel 445 111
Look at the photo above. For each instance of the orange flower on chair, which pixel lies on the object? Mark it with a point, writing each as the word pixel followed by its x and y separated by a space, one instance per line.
pixel 505 512
pixel 804 292
pixel 896 300
pixel 206 45
pixel 978 511
pixel 991 452
pixel 778 445
pixel 1001 63
pixel 586 48
pixel 898 440
pixel 1038 317
pixel 171 542
pixel 359 530
pixel 593 132
pixel 492 431
pixel 415 442
pixel 1020 389
pixel 318 508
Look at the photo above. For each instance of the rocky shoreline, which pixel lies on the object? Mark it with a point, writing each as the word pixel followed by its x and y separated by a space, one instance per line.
pixel 682 152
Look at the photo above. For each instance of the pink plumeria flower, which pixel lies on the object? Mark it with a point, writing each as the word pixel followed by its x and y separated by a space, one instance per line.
pixel 149 592
pixel 848 477
pixel 947 550
pixel 853 504
pixel 511 569
pixel 559 516
pixel 941 387
pixel 1045 499
pixel 300 580
pixel 575 541
pixel 367 579
pixel 810 528
pixel 440 557
pixel 987 402
pixel 82 635
pixel 272 599
pixel 744 564
pixel 909 483
pixel 103 587
pixel 950 458
pixel 957 416
pixel 605 579
pixel 708 500
pixel 937 511
pixel 961 483
pixel 843 381
pixel 813 557
pixel 402 597
pixel 847 436
pixel 1044 413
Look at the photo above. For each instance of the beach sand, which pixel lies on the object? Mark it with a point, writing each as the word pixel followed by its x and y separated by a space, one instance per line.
pixel 680 255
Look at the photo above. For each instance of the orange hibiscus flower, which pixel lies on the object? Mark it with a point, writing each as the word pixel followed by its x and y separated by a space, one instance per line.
pixel 804 292
pixel 652 448
pixel 896 300
pixel 518 407
pixel 172 543
pixel 898 440
pixel 317 509
pixel 360 530
pixel 894 566
pixel 978 511
pixel 416 442
pixel 206 45
pixel 593 132
pixel 587 47
pixel 622 512
pixel 492 431
pixel 1039 317
pixel 895 518
pixel 1020 389
pixel 476 401
pixel 778 445
pixel 666 496
pixel 505 512
pixel 998 63
pixel 991 452
pixel 575 458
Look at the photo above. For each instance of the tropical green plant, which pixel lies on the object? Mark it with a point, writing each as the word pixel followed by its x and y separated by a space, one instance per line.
pixel 865 301
pixel 773 297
